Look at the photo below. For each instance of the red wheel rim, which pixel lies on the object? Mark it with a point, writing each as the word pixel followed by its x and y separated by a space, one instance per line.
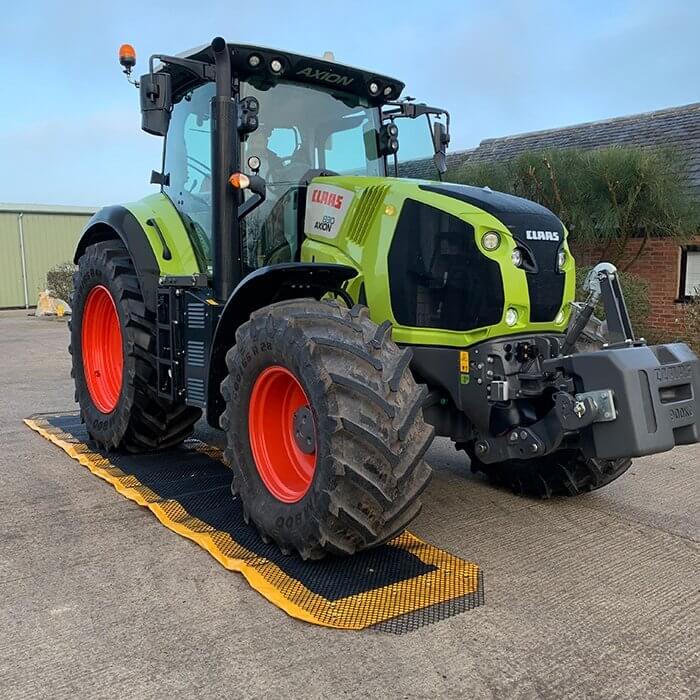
pixel 103 359
pixel 286 470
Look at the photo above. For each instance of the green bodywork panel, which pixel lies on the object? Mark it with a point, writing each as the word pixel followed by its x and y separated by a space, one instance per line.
pixel 364 237
pixel 159 208
pixel 362 241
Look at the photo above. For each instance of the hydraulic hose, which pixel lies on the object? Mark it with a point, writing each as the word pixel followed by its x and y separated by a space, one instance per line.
pixel 579 323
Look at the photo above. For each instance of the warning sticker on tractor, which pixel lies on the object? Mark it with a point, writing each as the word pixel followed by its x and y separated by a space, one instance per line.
pixel 326 208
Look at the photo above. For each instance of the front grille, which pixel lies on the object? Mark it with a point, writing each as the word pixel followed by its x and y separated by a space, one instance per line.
pixel 438 278
pixel 545 284
pixel 546 291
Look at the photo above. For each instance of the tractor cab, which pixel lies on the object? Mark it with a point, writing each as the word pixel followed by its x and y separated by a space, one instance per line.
pixel 296 118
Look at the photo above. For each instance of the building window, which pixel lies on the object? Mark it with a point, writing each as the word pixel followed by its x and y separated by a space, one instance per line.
pixel 690 272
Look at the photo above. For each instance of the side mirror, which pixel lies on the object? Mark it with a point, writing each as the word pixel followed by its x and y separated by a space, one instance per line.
pixel 156 103
pixel 441 139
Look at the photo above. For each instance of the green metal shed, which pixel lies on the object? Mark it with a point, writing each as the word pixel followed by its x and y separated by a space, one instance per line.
pixel 34 238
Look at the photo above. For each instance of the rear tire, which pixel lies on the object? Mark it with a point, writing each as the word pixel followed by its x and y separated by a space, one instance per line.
pixel 562 473
pixel 304 362
pixel 117 390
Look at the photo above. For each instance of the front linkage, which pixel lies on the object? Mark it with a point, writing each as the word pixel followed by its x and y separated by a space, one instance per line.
pixel 527 397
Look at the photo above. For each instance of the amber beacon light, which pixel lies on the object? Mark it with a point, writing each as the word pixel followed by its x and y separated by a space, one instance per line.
pixel 127 56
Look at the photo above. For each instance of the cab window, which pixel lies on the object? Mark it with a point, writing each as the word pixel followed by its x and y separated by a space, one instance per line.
pixel 188 163
pixel 300 130
pixel 415 156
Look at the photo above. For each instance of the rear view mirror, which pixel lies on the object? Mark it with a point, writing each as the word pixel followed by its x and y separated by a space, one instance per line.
pixel 440 140
pixel 156 103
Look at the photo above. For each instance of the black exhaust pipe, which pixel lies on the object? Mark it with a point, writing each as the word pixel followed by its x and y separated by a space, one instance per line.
pixel 226 248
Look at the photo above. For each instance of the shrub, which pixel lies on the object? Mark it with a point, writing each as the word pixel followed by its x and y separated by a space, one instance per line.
pixel 605 197
pixel 59 280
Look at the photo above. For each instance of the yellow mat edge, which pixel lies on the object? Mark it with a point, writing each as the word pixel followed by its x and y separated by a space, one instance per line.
pixel 256 581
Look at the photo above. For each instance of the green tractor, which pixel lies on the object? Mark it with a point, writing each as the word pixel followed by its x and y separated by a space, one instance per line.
pixel 331 305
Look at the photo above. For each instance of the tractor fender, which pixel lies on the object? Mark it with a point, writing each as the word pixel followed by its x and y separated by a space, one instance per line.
pixel 117 222
pixel 260 288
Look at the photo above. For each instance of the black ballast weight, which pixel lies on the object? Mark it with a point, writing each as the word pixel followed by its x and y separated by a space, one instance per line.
pixel 655 392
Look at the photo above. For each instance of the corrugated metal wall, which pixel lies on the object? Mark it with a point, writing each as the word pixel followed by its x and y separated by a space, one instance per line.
pixel 49 239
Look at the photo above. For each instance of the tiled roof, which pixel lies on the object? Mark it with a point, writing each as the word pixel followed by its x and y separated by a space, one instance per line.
pixel 678 127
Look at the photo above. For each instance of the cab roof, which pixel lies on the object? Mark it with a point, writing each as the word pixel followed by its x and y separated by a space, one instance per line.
pixel 253 64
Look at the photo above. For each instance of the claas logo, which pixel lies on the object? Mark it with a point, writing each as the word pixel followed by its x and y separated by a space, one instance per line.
pixel 330 199
pixel 542 235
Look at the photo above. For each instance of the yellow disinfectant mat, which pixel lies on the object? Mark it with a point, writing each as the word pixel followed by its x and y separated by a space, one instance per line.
pixel 398 587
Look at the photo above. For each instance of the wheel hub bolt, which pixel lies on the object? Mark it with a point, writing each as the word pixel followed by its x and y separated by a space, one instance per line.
pixel 304 433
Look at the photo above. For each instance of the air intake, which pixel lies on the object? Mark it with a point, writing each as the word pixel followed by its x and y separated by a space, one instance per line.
pixel 366 210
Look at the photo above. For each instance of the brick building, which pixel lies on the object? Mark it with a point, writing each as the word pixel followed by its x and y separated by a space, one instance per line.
pixel 672 270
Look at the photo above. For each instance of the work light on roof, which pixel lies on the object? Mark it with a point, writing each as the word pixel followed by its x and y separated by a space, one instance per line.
pixel 276 65
pixel 254 60
pixel 374 88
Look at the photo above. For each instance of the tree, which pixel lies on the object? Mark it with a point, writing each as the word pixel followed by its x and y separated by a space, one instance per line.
pixel 606 197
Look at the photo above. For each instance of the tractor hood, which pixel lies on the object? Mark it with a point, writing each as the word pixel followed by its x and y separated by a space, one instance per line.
pixel 426 239
pixel 526 220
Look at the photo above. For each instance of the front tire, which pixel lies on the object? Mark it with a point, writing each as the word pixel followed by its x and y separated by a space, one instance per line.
pixel 324 426
pixel 113 354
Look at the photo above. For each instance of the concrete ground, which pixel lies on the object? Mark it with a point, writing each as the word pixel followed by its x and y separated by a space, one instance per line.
pixel 591 597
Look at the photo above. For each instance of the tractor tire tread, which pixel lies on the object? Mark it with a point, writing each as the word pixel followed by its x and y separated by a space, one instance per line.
pixel 149 422
pixel 379 438
pixel 566 472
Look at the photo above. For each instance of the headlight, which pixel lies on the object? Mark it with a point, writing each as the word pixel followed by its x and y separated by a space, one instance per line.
pixel 491 240
pixel 561 259
pixel 517 257
pixel 511 317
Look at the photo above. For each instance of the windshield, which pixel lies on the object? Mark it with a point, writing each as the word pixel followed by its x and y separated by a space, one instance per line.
pixel 302 129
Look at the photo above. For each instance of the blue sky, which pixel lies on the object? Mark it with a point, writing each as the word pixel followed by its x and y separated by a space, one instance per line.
pixel 69 122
